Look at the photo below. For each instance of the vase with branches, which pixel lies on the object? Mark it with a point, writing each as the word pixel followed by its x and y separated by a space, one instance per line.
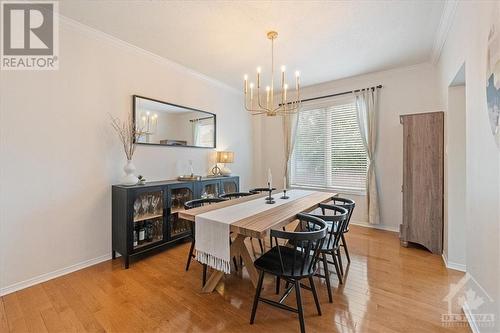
pixel 128 135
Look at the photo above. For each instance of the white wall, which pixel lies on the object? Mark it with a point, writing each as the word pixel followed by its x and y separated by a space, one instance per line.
pixel 405 90
pixel 467 43
pixel 455 178
pixel 59 156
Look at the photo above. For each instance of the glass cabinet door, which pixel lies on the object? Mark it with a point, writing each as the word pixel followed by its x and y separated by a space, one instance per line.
pixel 148 219
pixel 229 186
pixel 210 190
pixel 178 196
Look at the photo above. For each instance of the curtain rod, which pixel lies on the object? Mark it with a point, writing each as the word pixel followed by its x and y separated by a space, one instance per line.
pixel 339 94
pixel 198 119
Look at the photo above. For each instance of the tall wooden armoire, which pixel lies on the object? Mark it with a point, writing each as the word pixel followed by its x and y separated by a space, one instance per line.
pixel 423 150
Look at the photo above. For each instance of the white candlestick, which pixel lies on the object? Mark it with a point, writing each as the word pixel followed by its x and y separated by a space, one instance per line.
pixel 284 183
pixel 269 178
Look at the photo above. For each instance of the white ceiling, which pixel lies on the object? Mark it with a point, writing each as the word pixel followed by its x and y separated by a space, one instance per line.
pixel 325 40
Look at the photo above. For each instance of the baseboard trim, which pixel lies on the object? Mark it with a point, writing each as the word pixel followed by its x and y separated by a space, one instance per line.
pixel 51 275
pixel 470 318
pixel 375 226
pixel 453 265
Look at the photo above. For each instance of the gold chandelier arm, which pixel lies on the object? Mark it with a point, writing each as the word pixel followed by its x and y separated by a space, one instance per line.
pixel 259 104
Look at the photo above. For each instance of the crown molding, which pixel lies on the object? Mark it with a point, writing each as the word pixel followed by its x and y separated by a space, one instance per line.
pixel 449 10
pixel 157 58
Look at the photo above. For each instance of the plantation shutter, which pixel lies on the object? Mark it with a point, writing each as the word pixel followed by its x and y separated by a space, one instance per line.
pixel 329 152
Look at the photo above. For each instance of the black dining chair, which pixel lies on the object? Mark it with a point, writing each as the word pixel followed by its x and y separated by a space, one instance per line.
pixel 236 195
pixel 292 262
pixel 194 204
pixel 331 245
pixel 261 189
pixel 349 205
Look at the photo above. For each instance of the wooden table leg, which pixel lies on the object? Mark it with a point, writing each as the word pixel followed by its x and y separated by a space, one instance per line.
pixel 247 259
pixel 212 281
pixel 238 248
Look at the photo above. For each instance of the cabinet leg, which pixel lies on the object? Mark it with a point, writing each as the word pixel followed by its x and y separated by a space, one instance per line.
pixel 126 261
pixel 113 254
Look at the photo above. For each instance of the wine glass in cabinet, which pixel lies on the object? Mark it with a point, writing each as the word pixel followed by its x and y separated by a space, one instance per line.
pixel 178 195
pixel 147 223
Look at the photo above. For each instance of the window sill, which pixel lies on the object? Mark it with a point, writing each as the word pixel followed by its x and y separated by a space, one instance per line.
pixel 328 189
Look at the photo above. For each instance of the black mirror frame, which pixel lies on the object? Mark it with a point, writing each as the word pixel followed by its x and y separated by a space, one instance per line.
pixel 134 97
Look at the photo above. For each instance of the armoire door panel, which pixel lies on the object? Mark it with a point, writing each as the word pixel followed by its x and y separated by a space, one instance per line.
pixel 423 180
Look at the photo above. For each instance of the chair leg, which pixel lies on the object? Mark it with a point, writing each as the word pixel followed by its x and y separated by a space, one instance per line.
pixel 235 264
pixel 278 280
pixel 191 250
pixel 261 246
pixel 257 296
pixel 327 277
pixel 339 256
pixel 337 269
pixel 315 294
pixel 299 306
pixel 344 244
pixel 204 279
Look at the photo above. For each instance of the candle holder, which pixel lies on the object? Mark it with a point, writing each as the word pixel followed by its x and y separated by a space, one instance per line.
pixel 284 197
pixel 270 199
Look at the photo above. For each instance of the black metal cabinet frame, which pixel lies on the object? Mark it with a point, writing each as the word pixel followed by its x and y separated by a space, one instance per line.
pixel 219 183
pixel 123 198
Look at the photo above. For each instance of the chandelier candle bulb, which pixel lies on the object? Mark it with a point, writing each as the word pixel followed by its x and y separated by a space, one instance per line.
pixel 268 90
pixel 282 76
pixel 258 77
pixel 246 83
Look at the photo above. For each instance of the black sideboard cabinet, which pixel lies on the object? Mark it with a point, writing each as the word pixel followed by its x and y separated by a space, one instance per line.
pixel 144 217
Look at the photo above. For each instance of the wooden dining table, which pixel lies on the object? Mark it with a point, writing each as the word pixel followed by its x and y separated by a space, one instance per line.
pixel 256 226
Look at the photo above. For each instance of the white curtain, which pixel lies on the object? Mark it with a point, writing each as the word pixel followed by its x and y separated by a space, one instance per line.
pixel 367 106
pixel 289 130
pixel 195 123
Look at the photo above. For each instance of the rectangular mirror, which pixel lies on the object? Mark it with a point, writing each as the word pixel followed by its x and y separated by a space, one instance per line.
pixel 173 125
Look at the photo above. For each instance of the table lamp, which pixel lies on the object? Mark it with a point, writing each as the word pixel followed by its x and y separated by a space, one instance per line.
pixel 225 157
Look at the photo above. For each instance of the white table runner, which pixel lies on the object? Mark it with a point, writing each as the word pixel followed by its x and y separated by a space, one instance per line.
pixel 212 228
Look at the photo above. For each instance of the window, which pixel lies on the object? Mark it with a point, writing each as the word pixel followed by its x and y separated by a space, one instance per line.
pixel 329 152
pixel 203 132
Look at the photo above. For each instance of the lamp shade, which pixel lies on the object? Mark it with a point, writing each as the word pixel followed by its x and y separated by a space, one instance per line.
pixel 225 157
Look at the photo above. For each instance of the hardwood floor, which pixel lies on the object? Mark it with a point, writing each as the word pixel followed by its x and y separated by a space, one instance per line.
pixel 388 289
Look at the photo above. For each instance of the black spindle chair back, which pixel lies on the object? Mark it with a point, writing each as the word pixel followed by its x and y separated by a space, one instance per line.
pixel 261 189
pixel 335 222
pixel 346 204
pixel 235 195
pixel 201 202
pixel 306 243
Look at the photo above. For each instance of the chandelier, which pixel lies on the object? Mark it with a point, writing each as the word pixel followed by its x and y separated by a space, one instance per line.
pixel 275 104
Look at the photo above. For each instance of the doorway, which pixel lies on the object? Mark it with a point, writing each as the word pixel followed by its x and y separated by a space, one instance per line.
pixel 455 174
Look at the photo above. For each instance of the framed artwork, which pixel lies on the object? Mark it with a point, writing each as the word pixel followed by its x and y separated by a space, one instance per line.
pixel 493 81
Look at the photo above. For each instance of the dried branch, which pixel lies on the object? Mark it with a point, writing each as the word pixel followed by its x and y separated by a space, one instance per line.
pixel 127 133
